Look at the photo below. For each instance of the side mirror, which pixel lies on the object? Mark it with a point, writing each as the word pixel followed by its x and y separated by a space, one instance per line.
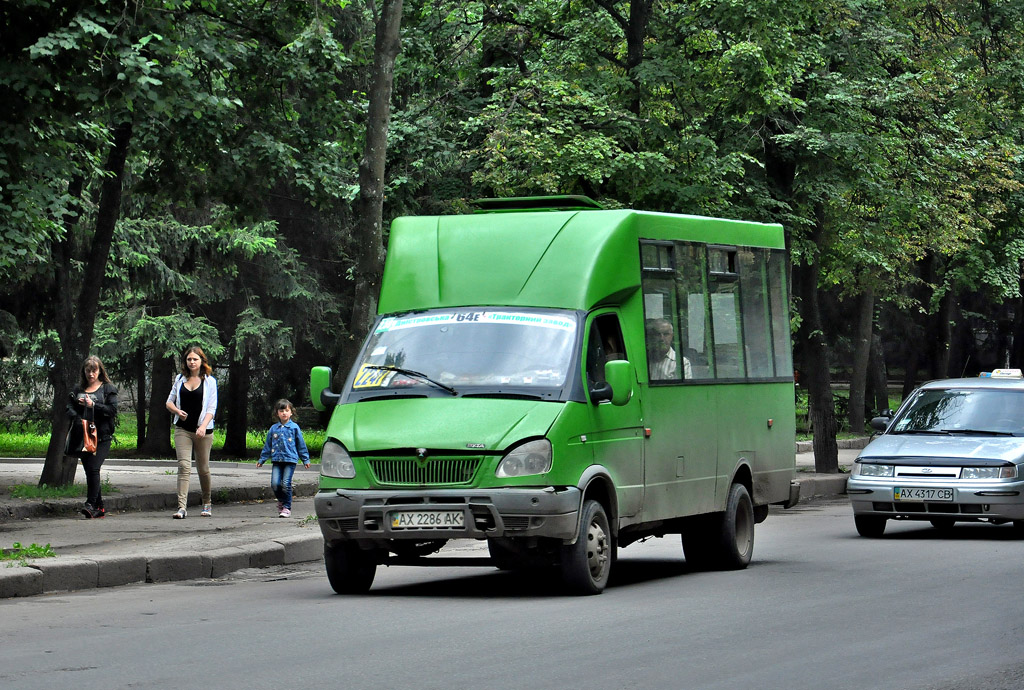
pixel 600 391
pixel 617 385
pixel 880 423
pixel 320 389
pixel 620 376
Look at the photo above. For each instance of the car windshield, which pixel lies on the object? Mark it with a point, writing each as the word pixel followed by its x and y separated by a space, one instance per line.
pixel 964 411
pixel 468 351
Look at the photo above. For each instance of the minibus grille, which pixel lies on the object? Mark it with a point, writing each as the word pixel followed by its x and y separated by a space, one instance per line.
pixel 439 471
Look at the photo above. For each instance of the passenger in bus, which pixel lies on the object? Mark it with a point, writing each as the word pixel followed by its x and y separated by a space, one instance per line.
pixel 661 355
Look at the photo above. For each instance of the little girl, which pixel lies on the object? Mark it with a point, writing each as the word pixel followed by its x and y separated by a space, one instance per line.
pixel 284 447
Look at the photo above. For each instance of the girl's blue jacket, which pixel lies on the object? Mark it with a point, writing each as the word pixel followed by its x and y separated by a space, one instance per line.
pixel 285 444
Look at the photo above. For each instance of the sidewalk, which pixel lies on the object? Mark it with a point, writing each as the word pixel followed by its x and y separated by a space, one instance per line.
pixel 139 542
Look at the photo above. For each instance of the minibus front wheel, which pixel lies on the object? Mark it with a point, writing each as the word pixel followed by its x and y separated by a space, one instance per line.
pixel 587 563
pixel 350 570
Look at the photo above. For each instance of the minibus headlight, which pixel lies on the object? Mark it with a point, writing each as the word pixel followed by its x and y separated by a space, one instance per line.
pixel 988 472
pixel 532 457
pixel 862 469
pixel 336 462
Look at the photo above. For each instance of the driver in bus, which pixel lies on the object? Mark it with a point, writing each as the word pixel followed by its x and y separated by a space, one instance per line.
pixel 661 355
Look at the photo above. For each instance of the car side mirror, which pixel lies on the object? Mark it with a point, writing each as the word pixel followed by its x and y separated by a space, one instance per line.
pixel 880 423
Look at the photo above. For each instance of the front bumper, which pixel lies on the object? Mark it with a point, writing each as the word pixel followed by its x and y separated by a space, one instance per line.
pixel 975 500
pixel 547 512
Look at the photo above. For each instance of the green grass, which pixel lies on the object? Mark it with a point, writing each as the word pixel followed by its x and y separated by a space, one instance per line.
pixel 70 491
pixel 841 400
pixel 19 554
pixel 31 442
pixel 23 444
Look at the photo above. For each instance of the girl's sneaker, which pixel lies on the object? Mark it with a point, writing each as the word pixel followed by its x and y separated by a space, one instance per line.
pixel 207 511
pixel 285 512
pixel 280 506
pixel 180 514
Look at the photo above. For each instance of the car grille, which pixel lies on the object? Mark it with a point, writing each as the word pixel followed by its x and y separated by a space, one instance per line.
pixel 928 472
pixel 434 471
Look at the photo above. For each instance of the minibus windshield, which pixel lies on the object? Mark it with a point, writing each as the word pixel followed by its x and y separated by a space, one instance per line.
pixel 467 351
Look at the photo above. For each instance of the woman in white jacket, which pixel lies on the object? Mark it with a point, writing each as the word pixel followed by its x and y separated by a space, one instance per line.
pixel 193 402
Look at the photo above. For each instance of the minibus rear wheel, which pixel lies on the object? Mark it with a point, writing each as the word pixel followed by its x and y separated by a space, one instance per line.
pixel 722 541
pixel 736 532
pixel 350 570
pixel 587 563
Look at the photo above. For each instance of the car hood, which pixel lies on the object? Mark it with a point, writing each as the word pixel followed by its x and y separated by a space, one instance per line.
pixel 913 446
pixel 479 424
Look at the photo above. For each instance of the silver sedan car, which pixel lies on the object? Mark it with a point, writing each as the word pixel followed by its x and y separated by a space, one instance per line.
pixel 954 451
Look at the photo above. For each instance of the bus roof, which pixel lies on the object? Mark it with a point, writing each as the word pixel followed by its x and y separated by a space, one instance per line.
pixel 576 259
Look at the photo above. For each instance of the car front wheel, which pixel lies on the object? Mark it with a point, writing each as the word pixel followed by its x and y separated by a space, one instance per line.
pixel 869 525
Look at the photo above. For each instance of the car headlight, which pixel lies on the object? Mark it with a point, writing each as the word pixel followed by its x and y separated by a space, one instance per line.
pixel 336 462
pixel 988 472
pixel 532 457
pixel 864 469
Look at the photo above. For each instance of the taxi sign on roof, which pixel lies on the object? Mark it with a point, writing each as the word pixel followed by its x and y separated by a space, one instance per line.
pixel 1002 374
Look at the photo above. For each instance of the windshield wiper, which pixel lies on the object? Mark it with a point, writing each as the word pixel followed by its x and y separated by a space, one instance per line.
pixel 505 396
pixel 979 432
pixel 410 372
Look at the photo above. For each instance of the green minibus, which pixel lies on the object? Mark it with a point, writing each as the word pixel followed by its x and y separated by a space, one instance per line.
pixel 562 380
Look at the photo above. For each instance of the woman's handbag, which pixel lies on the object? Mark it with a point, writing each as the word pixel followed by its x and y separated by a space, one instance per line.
pixel 82 437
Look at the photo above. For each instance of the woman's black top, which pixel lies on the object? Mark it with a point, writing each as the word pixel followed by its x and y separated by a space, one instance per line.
pixel 192 404
pixel 103 412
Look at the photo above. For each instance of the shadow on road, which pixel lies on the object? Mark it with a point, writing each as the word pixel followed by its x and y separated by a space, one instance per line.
pixel 528 583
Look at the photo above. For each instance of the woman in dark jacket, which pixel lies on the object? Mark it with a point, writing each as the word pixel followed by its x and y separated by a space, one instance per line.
pixel 94 398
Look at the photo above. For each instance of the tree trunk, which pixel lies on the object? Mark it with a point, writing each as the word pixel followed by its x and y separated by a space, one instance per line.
pixel 910 375
pixel 140 397
pixel 861 355
pixel 942 325
pixel 878 376
pixel 815 374
pixel 77 305
pixel 1015 354
pixel 158 437
pixel 367 235
pixel 237 423
pixel 634 29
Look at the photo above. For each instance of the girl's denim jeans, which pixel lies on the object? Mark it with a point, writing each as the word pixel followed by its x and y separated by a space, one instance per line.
pixel 281 482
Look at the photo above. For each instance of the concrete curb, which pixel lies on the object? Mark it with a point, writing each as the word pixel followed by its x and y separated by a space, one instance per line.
pixel 808 446
pixel 74 573
pixel 165 500
pixel 821 485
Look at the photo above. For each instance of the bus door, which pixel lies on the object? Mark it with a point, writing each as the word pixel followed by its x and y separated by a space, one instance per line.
pixel 678 408
pixel 616 433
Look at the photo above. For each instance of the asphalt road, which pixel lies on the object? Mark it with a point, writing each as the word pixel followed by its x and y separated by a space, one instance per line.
pixel 819 607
